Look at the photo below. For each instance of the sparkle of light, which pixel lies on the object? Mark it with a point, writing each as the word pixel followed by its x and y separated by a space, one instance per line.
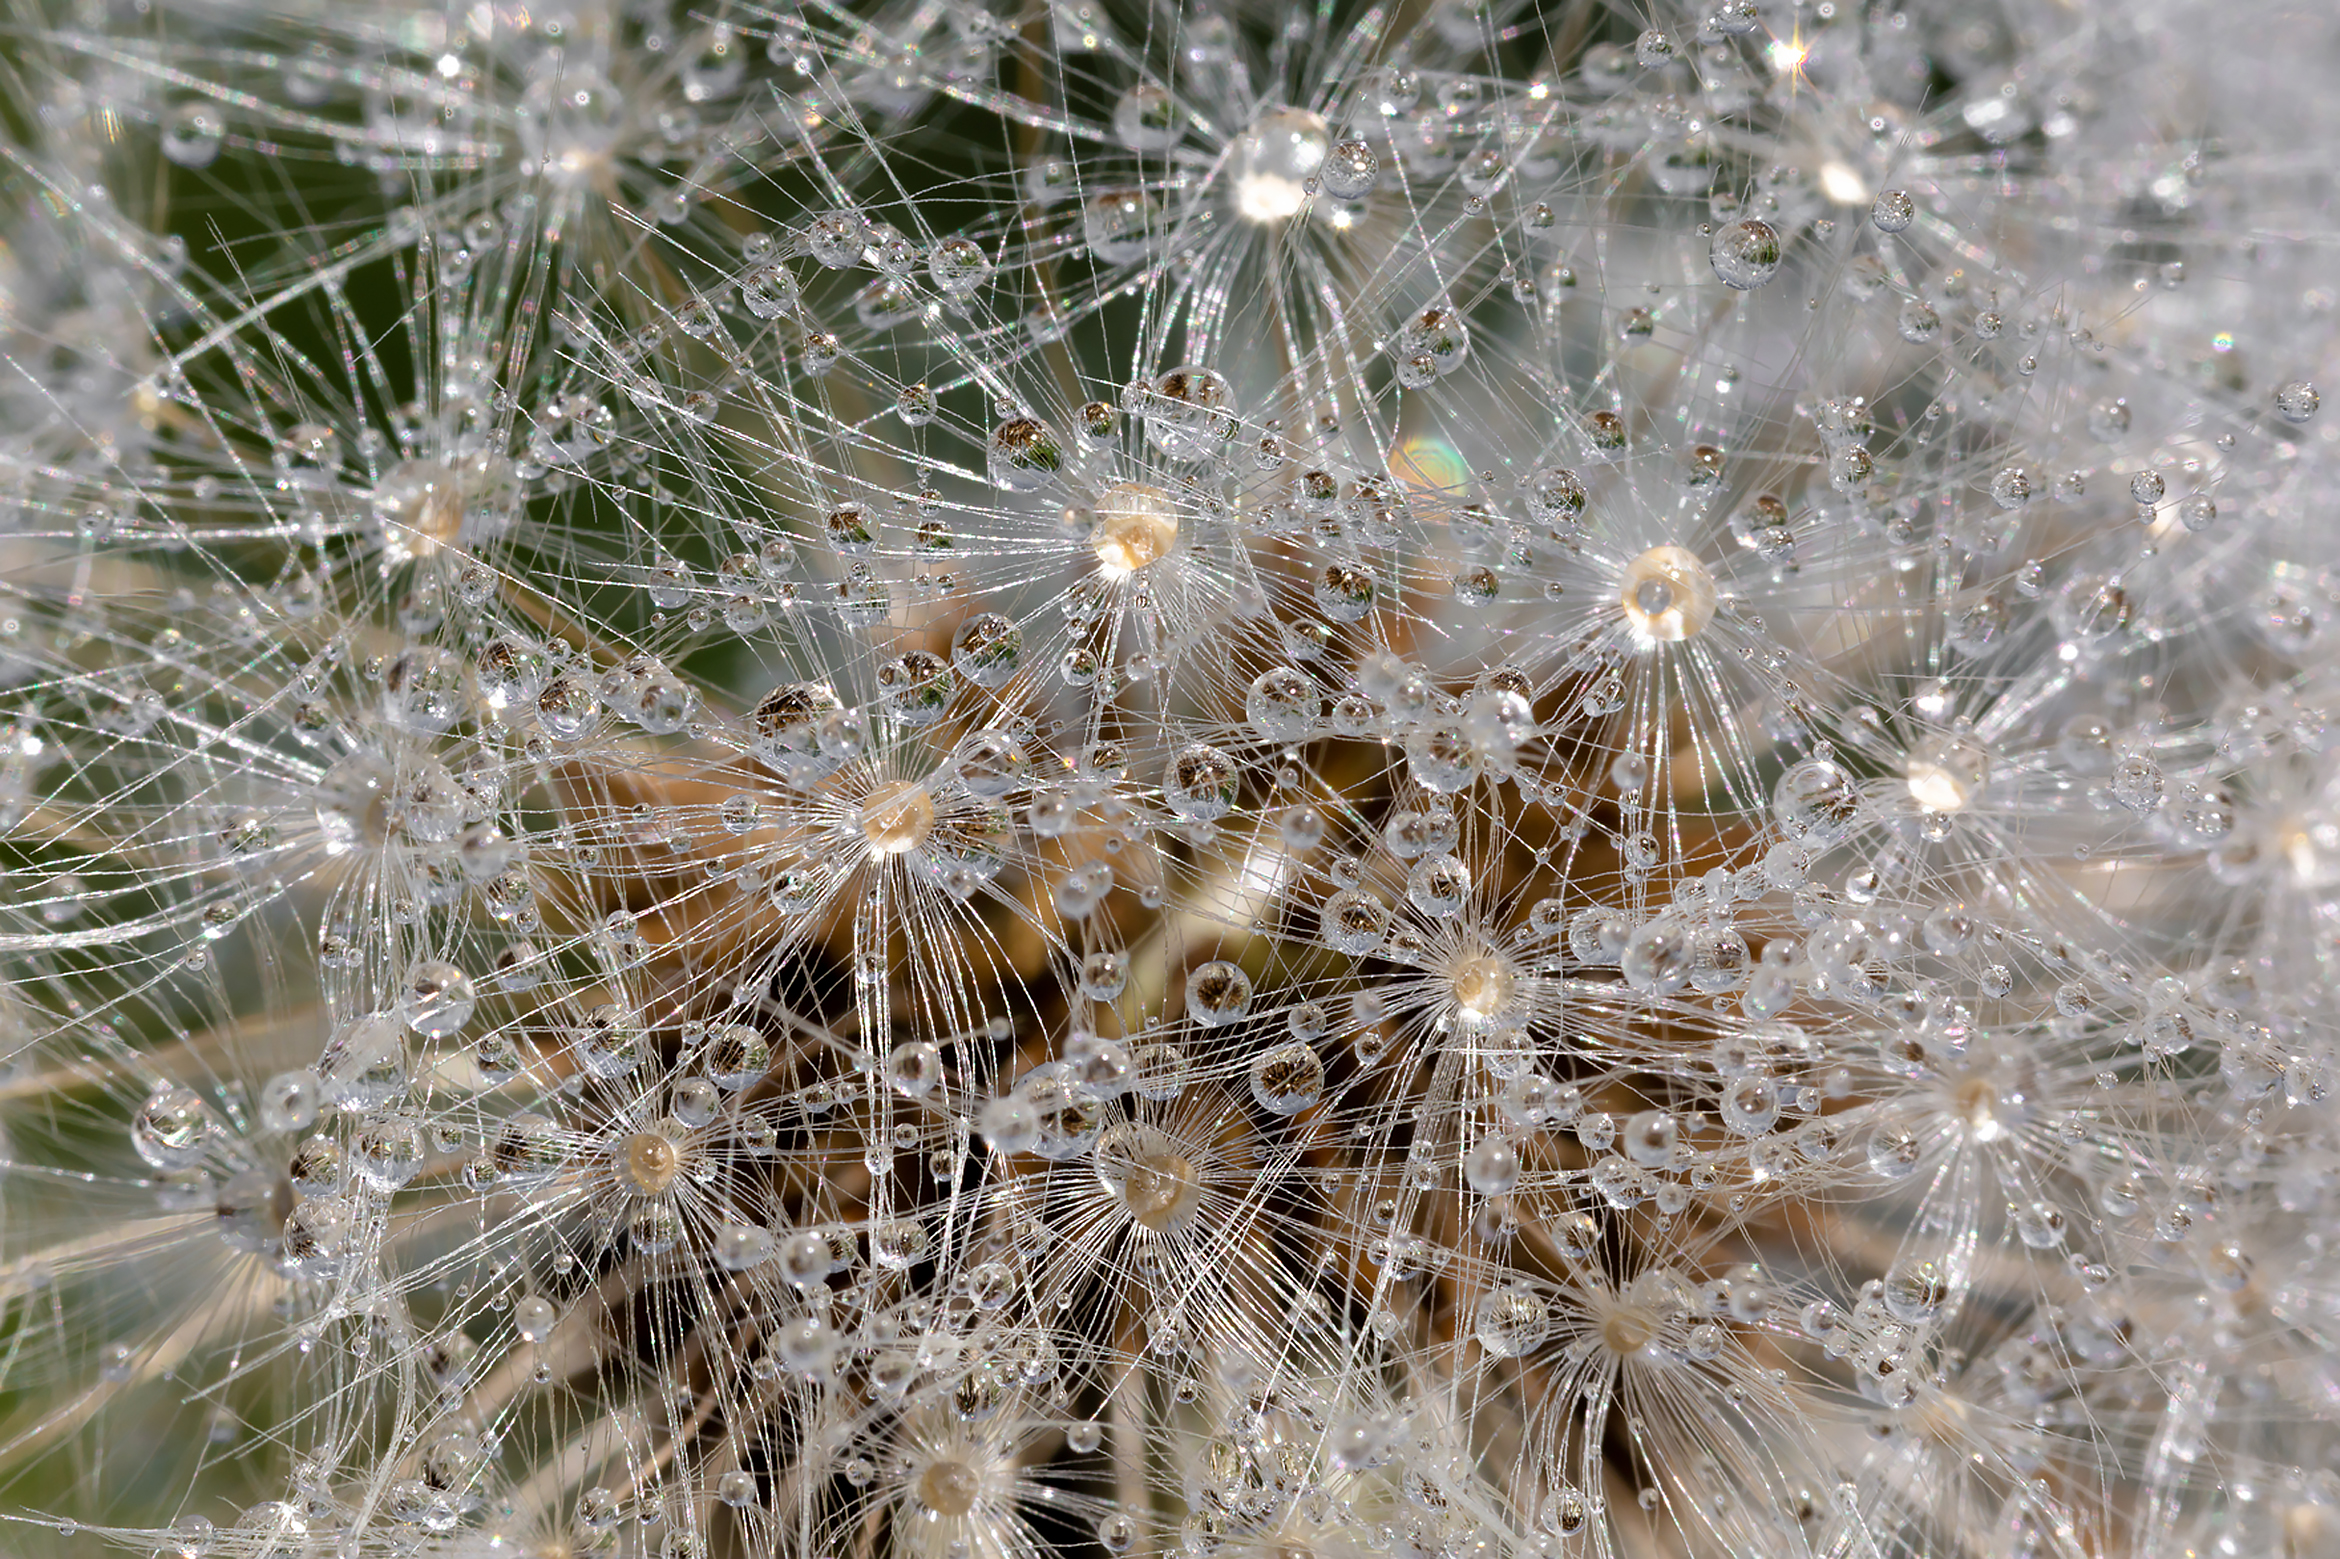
pixel 1841 184
pixel 1945 775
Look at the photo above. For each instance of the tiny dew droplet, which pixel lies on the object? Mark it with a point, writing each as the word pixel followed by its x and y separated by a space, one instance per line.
pixel 193 133
pixel 1745 254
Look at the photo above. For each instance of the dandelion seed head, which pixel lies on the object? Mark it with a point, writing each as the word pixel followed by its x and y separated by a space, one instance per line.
pixel 865 781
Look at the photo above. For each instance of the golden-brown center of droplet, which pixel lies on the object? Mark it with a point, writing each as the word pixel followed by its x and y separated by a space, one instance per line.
pixel 897 817
pixel 422 502
pixel 1160 1191
pixel 1136 524
pixel 1626 1331
pixel 1668 595
pixel 949 1488
pixel 649 1162
pixel 1945 775
pixel 1483 987
pixel 1977 1101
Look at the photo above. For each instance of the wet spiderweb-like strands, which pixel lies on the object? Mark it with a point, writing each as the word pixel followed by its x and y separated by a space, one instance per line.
pixel 1234 783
